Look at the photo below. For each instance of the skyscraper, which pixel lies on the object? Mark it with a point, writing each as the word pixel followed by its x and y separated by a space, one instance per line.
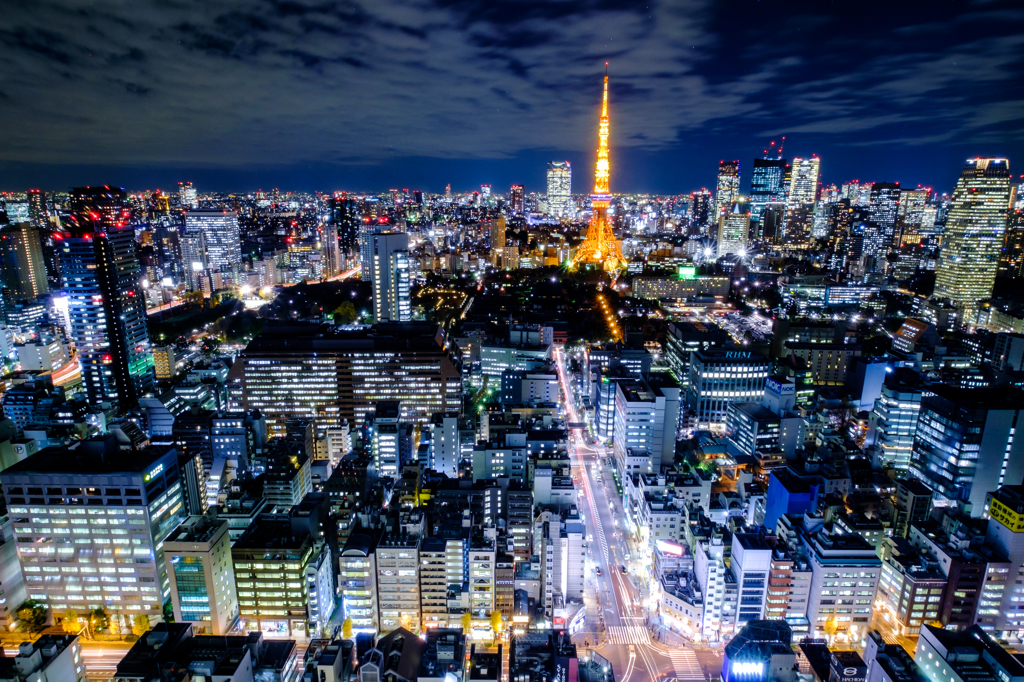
pixel 21 254
pixel 803 188
pixel 912 208
pixel 559 189
pixel 108 317
pixel 728 186
pixel 975 231
pixel 517 199
pixel 219 228
pixel 803 192
pixel 883 212
pixel 766 185
pixel 390 275
pixel 37 213
pixel 497 239
pixel 700 211
pixel 331 250
pixel 187 195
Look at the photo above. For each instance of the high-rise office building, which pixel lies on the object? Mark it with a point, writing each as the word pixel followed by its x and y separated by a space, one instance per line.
pixel 390 276
pixel 966 443
pixel 803 193
pixel 517 199
pixel 733 229
pixel 559 189
pixel 219 228
pixel 700 211
pixel 803 186
pixel 883 213
pixel 187 195
pixel 106 306
pixel 21 258
pixel 91 520
pixel 728 186
pixel 974 235
pixel 766 185
pixel 912 209
pixel 301 371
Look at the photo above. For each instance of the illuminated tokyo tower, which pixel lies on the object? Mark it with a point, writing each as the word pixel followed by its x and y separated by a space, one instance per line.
pixel 600 246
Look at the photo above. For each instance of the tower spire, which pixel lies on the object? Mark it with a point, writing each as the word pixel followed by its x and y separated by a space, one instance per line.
pixel 603 171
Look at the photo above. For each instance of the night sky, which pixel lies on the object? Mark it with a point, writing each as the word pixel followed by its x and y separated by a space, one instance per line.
pixel 314 94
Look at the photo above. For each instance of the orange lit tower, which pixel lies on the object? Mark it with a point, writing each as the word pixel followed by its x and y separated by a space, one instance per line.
pixel 600 246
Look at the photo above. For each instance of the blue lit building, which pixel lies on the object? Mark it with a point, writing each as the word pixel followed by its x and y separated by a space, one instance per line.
pixel 788 494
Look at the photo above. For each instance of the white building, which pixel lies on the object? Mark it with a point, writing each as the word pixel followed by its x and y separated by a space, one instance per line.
pixel 751 564
pixel 51 658
pixel 198 554
pixel 96 495
pixel 445 444
pixel 573 555
pixel 398 582
pixel 646 415
pixel 844 577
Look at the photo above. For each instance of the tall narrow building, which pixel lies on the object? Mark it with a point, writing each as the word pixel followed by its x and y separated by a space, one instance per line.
pixel 883 212
pixel 517 199
pixel 106 306
pixel 390 276
pixel 559 189
pixel 37 213
pixel 728 186
pixel 497 240
pixel 21 257
pixel 975 231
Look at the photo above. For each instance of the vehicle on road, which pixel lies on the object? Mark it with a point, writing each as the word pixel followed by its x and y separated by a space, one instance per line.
pixel 624 569
pixel 597 570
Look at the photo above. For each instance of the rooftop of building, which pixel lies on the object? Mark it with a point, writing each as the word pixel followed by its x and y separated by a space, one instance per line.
pixel 444 652
pixel 196 529
pixel 301 337
pixel 956 647
pixel 752 541
pixel 759 640
pixel 756 412
pixel 272 532
pixel 1012 496
pixel 485 665
pixel 99 455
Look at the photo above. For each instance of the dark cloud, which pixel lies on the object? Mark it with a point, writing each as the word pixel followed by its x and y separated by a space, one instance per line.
pixel 427 91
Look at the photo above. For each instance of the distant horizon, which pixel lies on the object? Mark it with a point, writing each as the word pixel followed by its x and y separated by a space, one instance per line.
pixel 302 179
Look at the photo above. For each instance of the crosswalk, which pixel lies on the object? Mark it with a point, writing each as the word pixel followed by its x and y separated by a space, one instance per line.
pixel 685 663
pixel 629 634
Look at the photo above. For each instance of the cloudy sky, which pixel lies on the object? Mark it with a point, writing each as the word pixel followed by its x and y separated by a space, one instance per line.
pixel 373 94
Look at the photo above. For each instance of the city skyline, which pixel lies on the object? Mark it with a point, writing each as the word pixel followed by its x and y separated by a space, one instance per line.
pixel 259 97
